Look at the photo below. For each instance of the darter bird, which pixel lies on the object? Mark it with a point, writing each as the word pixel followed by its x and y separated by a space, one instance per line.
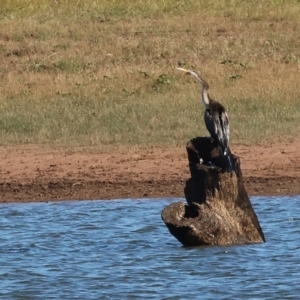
pixel 215 117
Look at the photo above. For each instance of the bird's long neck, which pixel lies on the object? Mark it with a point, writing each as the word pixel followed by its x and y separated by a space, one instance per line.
pixel 205 88
pixel 205 97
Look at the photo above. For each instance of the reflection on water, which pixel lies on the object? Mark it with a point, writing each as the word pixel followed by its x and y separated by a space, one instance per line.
pixel 122 250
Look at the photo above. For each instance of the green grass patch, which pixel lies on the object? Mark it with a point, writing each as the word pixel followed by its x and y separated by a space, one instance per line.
pixel 104 72
pixel 157 119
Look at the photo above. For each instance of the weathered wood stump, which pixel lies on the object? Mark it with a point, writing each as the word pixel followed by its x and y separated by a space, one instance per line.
pixel 219 211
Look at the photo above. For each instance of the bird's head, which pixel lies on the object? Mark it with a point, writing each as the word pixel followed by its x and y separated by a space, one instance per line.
pixel 205 86
pixel 196 76
pixel 188 72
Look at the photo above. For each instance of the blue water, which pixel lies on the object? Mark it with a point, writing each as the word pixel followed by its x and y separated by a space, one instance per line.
pixel 121 249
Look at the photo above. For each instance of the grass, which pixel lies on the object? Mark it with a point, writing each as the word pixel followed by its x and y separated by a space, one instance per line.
pixel 86 73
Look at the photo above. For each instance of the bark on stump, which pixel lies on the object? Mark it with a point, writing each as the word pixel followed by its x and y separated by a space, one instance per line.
pixel 219 211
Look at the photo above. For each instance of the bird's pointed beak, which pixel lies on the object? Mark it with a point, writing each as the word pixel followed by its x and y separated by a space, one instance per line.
pixel 184 70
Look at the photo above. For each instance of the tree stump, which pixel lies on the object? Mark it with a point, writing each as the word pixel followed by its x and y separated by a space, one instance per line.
pixel 218 210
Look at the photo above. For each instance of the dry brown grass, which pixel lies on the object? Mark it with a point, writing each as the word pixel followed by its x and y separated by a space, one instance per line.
pixel 103 72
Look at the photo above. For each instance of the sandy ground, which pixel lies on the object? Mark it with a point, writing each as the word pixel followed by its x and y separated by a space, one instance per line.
pixel 36 174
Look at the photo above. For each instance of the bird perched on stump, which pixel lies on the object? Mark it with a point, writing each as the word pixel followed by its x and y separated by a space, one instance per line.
pixel 216 119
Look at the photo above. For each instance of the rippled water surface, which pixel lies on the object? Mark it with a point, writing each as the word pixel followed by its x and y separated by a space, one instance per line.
pixel 122 250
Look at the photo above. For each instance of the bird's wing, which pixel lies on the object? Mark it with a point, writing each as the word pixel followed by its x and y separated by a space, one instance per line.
pixel 218 127
pixel 225 125
pixel 212 124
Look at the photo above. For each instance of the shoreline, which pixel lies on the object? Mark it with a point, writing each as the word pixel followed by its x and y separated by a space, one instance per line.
pixel 33 174
pixel 97 190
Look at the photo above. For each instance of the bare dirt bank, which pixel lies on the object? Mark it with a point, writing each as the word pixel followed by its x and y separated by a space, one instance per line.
pixel 35 174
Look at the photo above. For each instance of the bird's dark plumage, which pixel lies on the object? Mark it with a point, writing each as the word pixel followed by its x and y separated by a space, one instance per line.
pixel 216 119
pixel 217 124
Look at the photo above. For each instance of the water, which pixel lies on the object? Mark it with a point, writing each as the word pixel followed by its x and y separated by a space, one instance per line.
pixel 122 250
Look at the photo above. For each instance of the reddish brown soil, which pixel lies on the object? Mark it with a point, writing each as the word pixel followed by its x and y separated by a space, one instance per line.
pixel 36 174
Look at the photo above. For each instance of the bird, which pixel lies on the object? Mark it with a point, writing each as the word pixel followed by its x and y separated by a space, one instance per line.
pixel 215 117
